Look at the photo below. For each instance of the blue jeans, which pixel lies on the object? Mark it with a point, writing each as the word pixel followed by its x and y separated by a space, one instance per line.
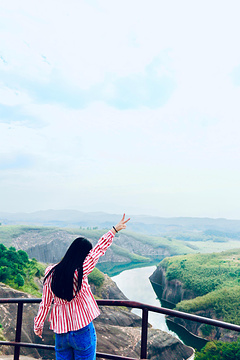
pixel 76 345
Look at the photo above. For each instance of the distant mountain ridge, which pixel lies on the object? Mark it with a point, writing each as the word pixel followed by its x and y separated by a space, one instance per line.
pixel 139 223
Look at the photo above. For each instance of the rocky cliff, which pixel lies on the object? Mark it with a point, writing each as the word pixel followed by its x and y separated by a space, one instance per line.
pixel 172 292
pixel 53 250
pixel 169 291
pixel 118 329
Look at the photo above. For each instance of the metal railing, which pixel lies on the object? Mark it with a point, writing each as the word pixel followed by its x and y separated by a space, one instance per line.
pixel 127 303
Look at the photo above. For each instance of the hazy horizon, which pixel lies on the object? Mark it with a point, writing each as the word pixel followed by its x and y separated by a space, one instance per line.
pixel 114 214
pixel 120 107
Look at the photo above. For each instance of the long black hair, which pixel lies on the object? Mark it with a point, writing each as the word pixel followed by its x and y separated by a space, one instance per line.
pixel 63 272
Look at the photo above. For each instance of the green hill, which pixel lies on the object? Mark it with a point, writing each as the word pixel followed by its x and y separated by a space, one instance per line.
pixel 128 247
pixel 21 273
pixel 18 271
pixel 219 351
pixel 214 279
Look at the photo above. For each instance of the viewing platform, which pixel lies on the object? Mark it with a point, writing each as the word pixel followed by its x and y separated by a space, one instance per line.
pixel 17 344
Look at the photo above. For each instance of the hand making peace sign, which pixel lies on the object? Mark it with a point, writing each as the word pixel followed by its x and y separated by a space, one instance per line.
pixel 121 225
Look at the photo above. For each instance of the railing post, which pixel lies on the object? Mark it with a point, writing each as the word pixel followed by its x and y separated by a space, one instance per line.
pixel 144 333
pixel 18 330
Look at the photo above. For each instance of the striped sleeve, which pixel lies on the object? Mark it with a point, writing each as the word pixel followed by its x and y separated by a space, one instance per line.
pixel 45 304
pixel 99 249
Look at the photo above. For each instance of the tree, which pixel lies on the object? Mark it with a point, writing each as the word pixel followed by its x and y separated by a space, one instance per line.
pixel 4 273
pixel 2 248
pixel 23 255
pixel 19 280
pixel 219 350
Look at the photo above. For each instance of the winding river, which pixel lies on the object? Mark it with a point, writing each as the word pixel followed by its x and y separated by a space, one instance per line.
pixel 135 284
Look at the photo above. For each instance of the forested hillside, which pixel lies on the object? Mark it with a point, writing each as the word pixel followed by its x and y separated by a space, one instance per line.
pixel 213 278
pixel 48 245
pixel 18 271
pixel 219 350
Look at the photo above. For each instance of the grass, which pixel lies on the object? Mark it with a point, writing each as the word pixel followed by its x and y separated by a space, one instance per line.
pixel 10 232
pixel 127 254
pixel 174 246
pixel 213 278
pixel 96 277
pixel 223 301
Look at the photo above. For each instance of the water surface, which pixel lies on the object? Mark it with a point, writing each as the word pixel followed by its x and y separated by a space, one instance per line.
pixel 136 286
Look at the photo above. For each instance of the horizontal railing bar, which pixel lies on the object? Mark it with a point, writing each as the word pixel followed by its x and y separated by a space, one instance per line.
pixel 174 313
pixel 20 300
pixel 126 303
pixel 28 345
pixel 135 304
pixel 51 347
pixel 116 357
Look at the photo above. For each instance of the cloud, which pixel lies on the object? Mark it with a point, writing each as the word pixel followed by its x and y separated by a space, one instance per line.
pixel 149 89
pixel 15 161
pixel 11 97
pixel 235 75
pixel 110 103
pixel 83 43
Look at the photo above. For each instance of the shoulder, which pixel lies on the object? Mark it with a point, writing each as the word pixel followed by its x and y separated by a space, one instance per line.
pixel 49 268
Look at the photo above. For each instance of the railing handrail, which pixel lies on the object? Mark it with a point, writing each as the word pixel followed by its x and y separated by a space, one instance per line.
pixel 110 302
pixel 138 305
pixel 171 312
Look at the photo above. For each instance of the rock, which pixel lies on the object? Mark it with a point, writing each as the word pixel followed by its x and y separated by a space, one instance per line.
pixel 118 317
pixel 108 290
pixel 60 239
pixel 132 244
pixel 171 291
pixel 44 252
pixel 163 346
pixel 8 318
pixel 117 340
pixel 118 329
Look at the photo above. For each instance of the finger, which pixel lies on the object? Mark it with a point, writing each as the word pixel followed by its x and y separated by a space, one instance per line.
pixel 123 217
pixel 126 220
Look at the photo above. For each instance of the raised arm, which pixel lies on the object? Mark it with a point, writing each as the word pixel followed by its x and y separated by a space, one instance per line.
pixel 100 248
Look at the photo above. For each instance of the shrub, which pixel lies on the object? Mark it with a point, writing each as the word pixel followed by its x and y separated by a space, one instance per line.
pixel 219 351
pixel 19 280
pixel 23 255
pixel 96 277
pixel 17 271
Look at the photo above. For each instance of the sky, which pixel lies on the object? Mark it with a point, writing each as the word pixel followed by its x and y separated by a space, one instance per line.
pixel 120 106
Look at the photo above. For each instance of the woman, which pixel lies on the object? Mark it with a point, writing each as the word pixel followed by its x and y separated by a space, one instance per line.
pixel 74 305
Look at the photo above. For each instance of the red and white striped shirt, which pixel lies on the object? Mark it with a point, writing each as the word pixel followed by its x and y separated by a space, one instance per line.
pixel 82 309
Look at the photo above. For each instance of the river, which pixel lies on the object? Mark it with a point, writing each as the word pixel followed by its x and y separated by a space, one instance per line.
pixel 136 286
